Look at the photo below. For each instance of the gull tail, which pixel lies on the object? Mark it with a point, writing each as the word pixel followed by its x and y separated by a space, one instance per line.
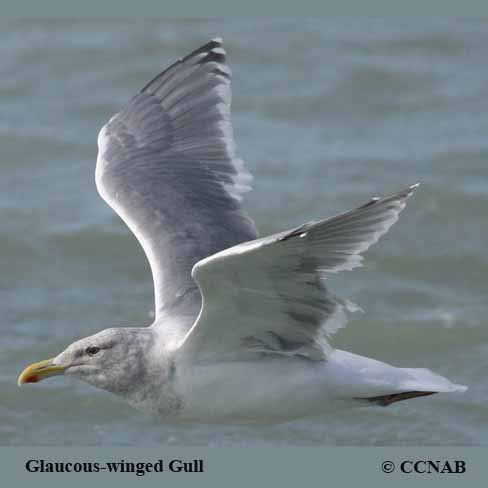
pixel 416 382
pixel 385 400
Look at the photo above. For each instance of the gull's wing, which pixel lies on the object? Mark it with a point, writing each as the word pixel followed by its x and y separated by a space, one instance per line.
pixel 270 296
pixel 166 164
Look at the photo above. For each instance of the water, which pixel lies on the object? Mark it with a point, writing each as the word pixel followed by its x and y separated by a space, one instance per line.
pixel 327 114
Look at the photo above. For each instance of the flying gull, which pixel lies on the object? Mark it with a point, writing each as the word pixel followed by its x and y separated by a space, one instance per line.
pixel 242 324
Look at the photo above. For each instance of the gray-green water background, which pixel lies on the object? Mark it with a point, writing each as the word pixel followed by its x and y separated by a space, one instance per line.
pixel 326 114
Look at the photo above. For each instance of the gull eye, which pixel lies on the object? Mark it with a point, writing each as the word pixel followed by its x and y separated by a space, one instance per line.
pixel 92 350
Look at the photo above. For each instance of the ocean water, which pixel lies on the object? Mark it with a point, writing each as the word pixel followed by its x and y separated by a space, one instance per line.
pixel 327 113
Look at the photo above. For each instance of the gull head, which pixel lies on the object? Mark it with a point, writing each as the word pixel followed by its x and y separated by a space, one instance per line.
pixel 117 360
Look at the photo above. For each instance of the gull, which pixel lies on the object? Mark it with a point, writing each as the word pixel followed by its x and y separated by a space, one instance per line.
pixel 242 324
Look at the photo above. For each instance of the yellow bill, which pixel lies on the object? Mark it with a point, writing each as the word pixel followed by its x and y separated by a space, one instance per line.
pixel 38 371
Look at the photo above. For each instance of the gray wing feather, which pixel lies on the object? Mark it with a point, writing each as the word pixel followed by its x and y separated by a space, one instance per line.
pixel 270 295
pixel 167 166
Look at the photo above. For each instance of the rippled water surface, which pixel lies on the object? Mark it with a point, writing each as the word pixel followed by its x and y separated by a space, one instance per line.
pixel 326 114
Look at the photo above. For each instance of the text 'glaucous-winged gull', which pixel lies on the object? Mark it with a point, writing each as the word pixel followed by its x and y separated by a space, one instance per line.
pixel 241 324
